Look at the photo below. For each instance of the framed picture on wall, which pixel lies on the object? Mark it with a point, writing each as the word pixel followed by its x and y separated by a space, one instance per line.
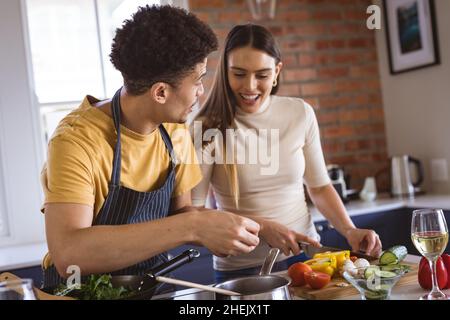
pixel 411 34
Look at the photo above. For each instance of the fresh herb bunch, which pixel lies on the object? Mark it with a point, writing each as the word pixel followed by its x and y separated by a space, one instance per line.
pixel 97 287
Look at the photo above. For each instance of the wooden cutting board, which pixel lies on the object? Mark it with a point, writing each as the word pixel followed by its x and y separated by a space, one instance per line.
pixel 40 295
pixel 331 291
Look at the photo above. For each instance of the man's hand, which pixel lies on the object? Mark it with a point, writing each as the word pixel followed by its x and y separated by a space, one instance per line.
pixel 225 233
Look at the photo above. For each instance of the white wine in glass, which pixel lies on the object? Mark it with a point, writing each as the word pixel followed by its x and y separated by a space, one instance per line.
pixel 429 234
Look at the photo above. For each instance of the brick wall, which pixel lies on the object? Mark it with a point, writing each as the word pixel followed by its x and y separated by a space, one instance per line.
pixel 330 60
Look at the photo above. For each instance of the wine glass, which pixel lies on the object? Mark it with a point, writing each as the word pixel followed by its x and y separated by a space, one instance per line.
pixel 429 234
pixel 21 289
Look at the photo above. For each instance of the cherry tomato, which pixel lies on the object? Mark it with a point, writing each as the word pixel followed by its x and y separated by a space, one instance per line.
pixel 317 280
pixel 296 273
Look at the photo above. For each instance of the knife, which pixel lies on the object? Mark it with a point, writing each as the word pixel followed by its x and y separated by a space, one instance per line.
pixel 310 251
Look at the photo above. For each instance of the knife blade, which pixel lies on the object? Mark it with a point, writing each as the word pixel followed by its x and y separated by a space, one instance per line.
pixel 310 251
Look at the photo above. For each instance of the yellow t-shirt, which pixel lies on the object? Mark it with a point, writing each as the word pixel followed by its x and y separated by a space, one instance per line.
pixel 80 158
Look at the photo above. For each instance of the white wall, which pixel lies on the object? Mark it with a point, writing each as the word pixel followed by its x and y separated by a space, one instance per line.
pixel 20 134
pixel 417 103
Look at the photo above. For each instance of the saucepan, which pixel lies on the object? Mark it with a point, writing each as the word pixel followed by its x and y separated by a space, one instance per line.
pixel 144 286
pixel 260 287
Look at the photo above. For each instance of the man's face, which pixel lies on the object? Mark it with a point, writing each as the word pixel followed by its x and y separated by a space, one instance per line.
pixel 186 95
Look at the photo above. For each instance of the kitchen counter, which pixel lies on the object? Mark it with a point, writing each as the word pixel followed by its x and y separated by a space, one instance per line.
pixel 386 203
pixel 23 256
pixel 407 292
pixel 31 255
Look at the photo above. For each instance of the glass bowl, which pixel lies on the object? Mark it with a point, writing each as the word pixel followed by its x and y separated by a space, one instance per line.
pixel 374 286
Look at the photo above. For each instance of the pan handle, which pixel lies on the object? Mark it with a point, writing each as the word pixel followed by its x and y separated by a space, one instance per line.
pixel 266 268
pixel 181 259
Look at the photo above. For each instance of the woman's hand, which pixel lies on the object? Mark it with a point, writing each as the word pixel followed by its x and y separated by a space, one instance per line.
pixel 283 238
pixel 364 240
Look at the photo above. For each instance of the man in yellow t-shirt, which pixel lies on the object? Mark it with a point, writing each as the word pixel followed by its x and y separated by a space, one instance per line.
pixel 119 173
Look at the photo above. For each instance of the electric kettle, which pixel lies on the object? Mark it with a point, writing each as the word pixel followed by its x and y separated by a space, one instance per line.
pixel 336 174
pixel 401 176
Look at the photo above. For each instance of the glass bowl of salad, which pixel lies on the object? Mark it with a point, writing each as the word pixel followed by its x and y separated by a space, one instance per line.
pixel 374 282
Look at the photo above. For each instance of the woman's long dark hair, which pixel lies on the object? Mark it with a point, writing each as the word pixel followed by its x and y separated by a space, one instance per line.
pixel 219 109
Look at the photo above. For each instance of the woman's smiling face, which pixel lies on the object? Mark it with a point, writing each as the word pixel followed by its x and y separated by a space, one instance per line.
pixel 251 75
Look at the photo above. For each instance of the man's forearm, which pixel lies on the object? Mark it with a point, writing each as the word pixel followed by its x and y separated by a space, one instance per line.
pixel 126 244
pixel 187 209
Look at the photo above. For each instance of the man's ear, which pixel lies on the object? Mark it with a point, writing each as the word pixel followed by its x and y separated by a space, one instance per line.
pixel 159 92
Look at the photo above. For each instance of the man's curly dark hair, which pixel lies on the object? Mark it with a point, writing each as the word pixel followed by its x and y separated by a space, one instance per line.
pixel 160 43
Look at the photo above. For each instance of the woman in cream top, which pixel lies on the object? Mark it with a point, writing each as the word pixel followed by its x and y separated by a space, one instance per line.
pixel 273 149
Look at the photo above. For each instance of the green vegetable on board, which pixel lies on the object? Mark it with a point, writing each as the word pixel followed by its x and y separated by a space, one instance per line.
pixel 97 287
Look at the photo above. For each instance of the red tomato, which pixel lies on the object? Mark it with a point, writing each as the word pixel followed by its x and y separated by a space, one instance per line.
pixel 317 280
pixel 296 273
pixel 424 275
pixel 446 259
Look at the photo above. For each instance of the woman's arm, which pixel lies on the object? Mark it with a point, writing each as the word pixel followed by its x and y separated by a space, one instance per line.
pixel 277 235
pixel 328 202
pixel 281 237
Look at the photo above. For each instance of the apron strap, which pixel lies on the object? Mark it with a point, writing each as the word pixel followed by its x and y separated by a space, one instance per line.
pixel 115 175
pixel 116 109
pixel 168 142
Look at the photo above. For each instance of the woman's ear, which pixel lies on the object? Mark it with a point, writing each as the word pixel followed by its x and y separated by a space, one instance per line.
pixel 159 92
pixel 278 68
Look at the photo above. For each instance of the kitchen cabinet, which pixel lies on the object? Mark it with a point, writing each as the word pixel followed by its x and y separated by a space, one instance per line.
pixel 393 227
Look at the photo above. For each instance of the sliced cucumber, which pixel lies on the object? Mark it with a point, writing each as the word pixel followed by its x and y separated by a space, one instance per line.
pixel 376 295
pixel 393 255
pixel 385 274
pixel 374 271
pixel 396 267
pixel 370 271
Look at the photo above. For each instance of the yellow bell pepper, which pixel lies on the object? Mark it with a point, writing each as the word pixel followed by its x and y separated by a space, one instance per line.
pixel 326 265
pixel 341 256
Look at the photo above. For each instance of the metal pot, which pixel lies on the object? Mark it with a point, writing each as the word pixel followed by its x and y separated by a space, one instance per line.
pixel 261 287
pixel 146 284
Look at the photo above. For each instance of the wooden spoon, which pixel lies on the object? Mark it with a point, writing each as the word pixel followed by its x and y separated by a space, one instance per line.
pixel 196 285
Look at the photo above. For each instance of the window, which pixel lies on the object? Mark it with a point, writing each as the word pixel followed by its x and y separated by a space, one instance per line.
pixel 3 216
pixel 70 43
pixel 43 60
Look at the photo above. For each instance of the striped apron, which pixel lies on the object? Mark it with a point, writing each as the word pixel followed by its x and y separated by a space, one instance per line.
pixel 126 206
